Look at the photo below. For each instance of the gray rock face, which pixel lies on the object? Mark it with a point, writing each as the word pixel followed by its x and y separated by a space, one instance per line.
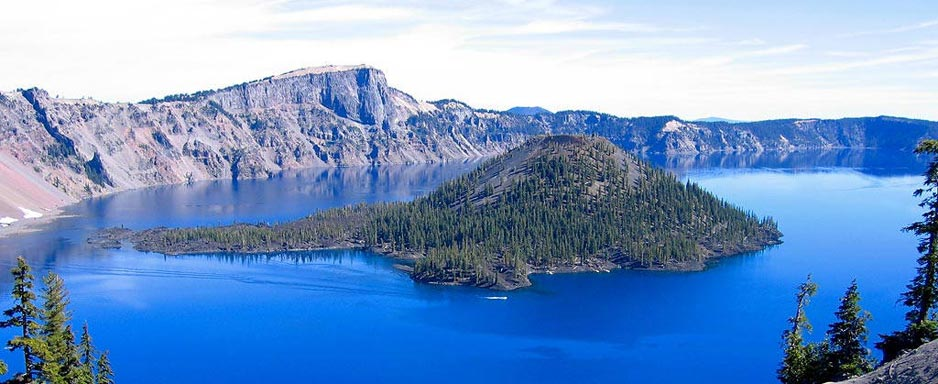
pixel 62 150
pixel 359 94
pixel 917 367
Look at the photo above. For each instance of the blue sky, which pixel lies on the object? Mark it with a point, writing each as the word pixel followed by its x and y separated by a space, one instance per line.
pixel 737 59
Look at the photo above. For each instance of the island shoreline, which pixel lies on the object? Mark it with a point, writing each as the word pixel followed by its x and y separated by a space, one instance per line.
pixel 116 238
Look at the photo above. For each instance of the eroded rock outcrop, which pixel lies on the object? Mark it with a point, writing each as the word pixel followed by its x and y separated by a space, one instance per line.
pixel 917 367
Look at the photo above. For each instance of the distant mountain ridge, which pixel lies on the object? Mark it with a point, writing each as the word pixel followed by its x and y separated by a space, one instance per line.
pixel 56 151
pixel 527 111
pixel 714 119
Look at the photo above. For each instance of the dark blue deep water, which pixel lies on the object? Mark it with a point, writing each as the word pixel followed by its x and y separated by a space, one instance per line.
pixel 347 316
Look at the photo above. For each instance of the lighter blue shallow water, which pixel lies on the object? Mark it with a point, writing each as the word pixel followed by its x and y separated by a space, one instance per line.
pixel 349 316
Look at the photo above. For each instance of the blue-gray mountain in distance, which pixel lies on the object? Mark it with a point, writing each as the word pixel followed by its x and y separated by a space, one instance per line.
pixel 57 151
pixel 714 119
pixel 527 111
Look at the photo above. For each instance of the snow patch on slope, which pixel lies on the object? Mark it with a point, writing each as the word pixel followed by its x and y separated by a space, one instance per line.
pixel 673 126
pixel 30 214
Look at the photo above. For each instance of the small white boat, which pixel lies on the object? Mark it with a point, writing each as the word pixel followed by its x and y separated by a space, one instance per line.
pixel 496 297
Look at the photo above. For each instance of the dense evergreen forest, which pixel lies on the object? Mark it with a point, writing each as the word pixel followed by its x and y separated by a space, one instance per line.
pixel 556 203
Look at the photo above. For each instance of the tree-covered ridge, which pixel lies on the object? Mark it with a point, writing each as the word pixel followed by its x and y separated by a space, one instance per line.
pixel 556 203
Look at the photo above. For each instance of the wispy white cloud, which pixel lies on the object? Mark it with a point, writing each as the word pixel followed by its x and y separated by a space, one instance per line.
pixel 881 60
pixel 750 42
pixel 773 51
pixel 847 54
pixel 567 26
pixel 343 14
pixel 900 29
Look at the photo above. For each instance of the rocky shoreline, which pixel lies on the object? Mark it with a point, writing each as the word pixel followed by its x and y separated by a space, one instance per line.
pixel 26 226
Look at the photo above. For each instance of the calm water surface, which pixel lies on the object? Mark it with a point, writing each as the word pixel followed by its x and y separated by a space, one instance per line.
pixel 349 316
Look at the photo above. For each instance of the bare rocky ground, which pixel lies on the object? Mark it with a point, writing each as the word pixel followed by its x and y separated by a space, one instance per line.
pixel 917 367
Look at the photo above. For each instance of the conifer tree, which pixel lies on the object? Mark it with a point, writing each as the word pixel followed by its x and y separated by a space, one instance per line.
pixel 922 294
pixel 105 374
pixel 799 358
pixel 848 356
pixel 24 315
pixel 72 369
pixel 48 343
pixel 86 357
pixel 55 333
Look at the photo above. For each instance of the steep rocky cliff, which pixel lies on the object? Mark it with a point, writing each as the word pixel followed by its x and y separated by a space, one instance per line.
pixel 54 151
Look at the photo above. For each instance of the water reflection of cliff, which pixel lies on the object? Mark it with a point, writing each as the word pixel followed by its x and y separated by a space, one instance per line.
pixel 287 196
pixel 871 162
pixel 386 180
pixel 296 194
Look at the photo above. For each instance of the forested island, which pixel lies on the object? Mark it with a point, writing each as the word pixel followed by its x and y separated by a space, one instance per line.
pixel 554 204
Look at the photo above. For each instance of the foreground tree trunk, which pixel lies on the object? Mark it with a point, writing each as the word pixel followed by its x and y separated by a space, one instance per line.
pixel 798 360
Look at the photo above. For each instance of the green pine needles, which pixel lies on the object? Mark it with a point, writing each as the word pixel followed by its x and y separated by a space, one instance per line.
pixel 922 294
pixel 799 357
pixel 841 355
pixel 46 339
pixel 25 317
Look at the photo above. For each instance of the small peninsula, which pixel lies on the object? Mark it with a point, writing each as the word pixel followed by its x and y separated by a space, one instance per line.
pixel 556 203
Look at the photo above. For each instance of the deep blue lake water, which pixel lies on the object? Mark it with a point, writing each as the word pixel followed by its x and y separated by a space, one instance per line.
pixel 349 316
